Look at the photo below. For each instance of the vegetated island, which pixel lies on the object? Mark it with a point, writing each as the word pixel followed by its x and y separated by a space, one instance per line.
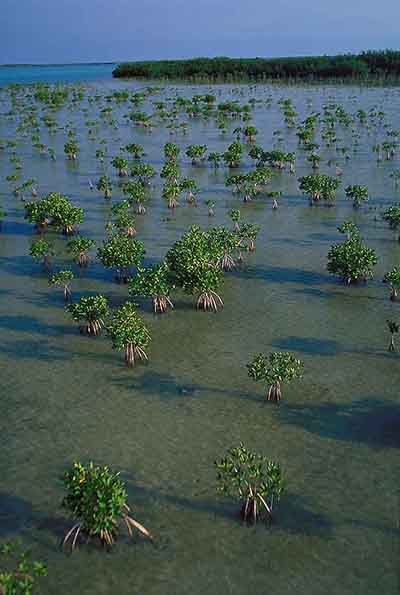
pixel 366 65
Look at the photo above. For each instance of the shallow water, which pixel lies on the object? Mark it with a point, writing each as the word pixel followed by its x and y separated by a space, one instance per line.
pixel 336 433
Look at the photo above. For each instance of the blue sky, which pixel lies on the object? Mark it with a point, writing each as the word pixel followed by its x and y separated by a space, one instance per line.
pixel 51 31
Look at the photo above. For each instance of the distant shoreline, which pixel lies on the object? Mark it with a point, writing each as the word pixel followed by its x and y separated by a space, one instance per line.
pixel 58 65
pixel 366 65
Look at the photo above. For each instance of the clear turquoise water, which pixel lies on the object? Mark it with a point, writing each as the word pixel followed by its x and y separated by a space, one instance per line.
pixel 336 434
pixel 55 73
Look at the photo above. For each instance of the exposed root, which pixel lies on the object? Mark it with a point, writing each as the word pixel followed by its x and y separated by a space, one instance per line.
pixel 161 303
pixel 132 353
pixel 209 300
pixel 92 328
pixel 274 392
pixel 227 263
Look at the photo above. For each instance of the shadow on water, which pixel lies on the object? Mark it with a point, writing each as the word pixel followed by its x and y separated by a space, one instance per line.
pixel 325 347
pixel 275 274
pixel 308 345
pixel 165 386
pixel 15 514
pixel 370 421
pixel 36 350
pixel 326 295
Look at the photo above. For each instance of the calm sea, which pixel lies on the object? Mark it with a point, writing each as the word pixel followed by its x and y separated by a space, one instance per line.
pixel 55 73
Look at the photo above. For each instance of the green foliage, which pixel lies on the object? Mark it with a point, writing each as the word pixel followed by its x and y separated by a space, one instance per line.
pixel 61 278
pixel 41 248
pixel 104 185
pixel 171 152
pixel 232 156
pixel 392 216
pixel 71 149
pixel 370 64
pixel 170 171
pixel 151 282
pixel 319 186
pixel 21 575
pixel 54 209
pixel 96 498
pixel 121 165
pixel 358 194
pixel 129 333
pixel 215 158
pixel 251 478
pixel 351 260
pixel 90 311
pixel 143 172
pixel 121 252
pixel 194 263
pixel 196 153
pixel 393 277
pixel 135 150
pixel 275 369
pixel 79 248
pixel 350 229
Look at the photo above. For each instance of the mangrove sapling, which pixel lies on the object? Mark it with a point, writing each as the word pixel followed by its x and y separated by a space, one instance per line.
pixel 191 187
pixel 215 159
pixel 352 260
pixel 393 328
pixel 124 222
pixel 196 153
pixel 67 217
pixel 104 185
pixel 97 499
pixel 358 194
pixel 251 478
pixel 233 155
pixel 121 165
pixel 171 152
pixel 235 216
pixel 319 186
pixel 393 279
pixel 171 192
pixel 224 242
pixel 19 576
pixel 90 313
pixel 143 172
pixel 79 248
pixel 2 215
pixel 121 252
pixel 350 229
pixel 154 282
pixel 209 203
pixel 275 369
pixel 194 264
pixel 248 232
pixel 63 279
pixel 392 216
pixel 42 250
pixel 135 193
pixel 275 194
pixel 170 172
pixel 250 133
pixel 71 149
pixel 137 151
pixel 129 333
pixel 395 175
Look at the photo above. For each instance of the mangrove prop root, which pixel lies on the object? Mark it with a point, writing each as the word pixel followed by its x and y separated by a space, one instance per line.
pixel 161 303
pixel 132 353
pixel 210 300
pixel 274 392
pixel 227 263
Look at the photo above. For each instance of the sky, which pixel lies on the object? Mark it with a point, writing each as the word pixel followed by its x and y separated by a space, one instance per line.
pixel 63 31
